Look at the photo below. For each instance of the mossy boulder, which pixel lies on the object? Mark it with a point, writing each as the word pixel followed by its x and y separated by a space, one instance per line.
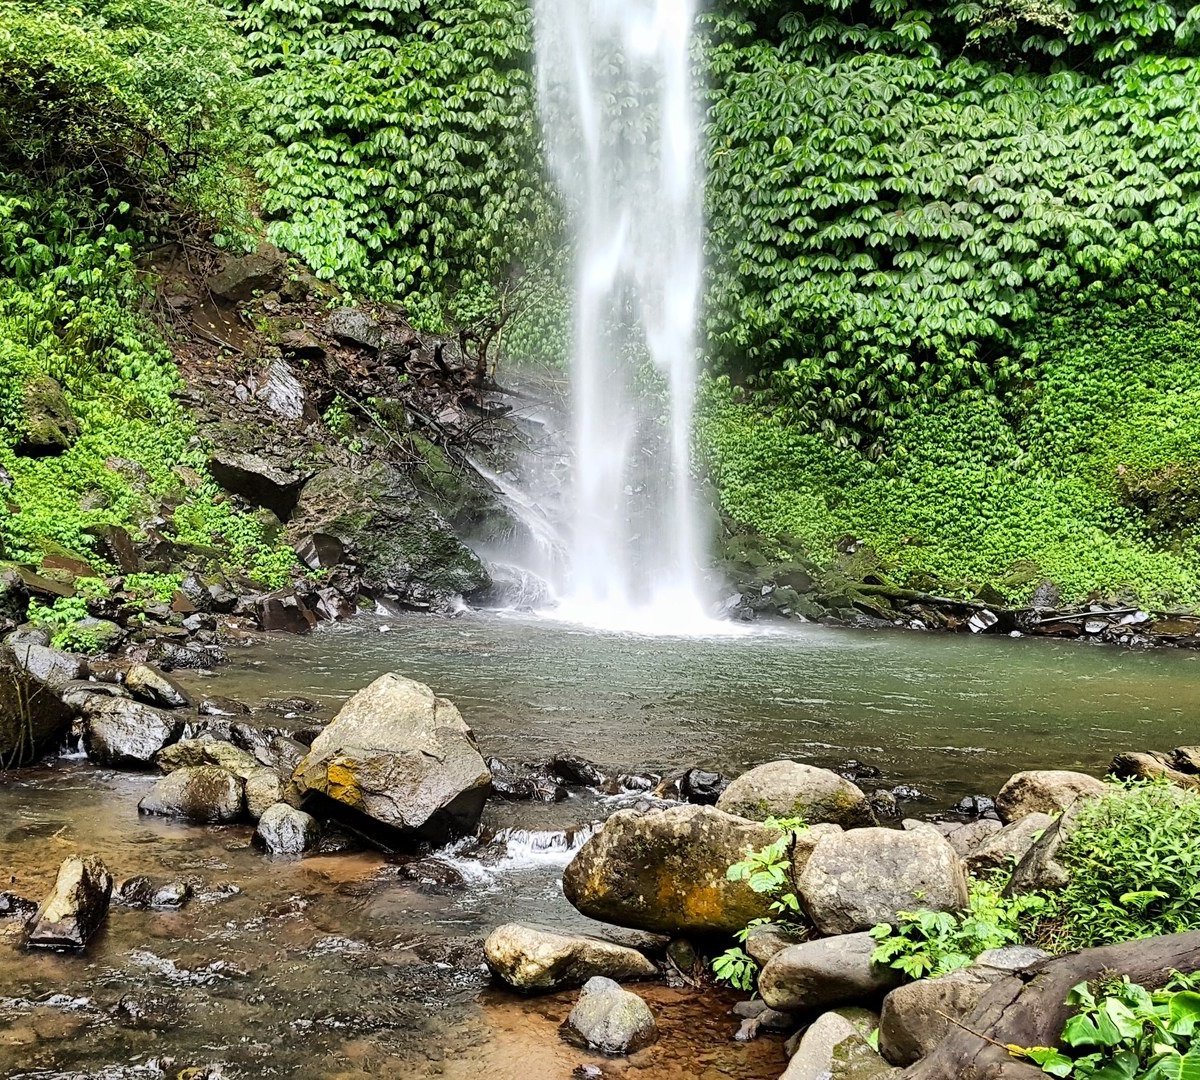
pixel 404 549
pixel 49 427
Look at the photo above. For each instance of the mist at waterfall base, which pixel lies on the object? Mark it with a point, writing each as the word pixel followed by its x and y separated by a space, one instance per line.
pixel 619 113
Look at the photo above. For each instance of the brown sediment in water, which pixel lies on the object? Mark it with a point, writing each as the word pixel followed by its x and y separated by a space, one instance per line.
pixel 695 1041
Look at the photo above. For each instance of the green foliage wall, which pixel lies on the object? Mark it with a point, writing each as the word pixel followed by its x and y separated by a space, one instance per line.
pixel 898 189
pixel 1087 476
pixel 397 145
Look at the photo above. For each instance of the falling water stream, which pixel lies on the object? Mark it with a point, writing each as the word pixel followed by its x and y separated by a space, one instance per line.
pixel 618 108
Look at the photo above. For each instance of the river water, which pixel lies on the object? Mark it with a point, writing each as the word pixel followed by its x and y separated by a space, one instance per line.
pixel 339 966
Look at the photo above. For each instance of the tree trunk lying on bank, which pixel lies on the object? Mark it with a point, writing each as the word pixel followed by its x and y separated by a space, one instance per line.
pixel 1028 1009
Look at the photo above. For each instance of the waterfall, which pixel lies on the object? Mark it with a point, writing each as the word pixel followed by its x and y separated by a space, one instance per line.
pixel 619 112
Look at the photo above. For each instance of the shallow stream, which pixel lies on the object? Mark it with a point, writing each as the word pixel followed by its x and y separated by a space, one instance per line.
pixel 338 966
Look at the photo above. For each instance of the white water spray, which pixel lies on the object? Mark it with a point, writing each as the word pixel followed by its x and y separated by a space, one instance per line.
pixel 619 112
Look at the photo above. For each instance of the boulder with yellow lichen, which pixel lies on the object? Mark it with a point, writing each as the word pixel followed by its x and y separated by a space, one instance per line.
pixel 401 758
pixel 665 871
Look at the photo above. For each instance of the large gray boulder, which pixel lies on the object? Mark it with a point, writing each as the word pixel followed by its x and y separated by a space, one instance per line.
pixel 1004 849
pixel 964 836
pixel 33 718
pixel 790 789
pixel 73 912
pixel 528 959
pixel 854 880
pixel 813 1059
pixel 49 667
pixel 284 830
pixel 200 793
pixel 120 732
pixel 402 757
pixel 610 1020
pixel 664 871
pixel 825 973
pixel 1045 791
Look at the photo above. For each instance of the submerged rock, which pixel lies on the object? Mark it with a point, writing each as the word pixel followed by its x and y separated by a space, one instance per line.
pixel 826 972
pixel 13 906
pixel 610 1020
pixel 402 757
pixel 119 732
pixel 530 959
pixel 200 793
pixel 284 830
pixel 73 912
pixel 664 871
pixel 1045 791
pixel 854 880
pixel 789 789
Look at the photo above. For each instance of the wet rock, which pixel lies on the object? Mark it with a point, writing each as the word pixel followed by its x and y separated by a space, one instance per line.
pixel 824 973
pixel 284 830
pixel 191 753
pixel 149 685
pixel 73 912
pixel 263 789
pixel 141 893
pixel 917 1017
pixel 320 551
pixel 665 871
pixel 118 732
pixel 577 771
pixel 203 794
pixel 222 706
pixel 975 806
pixel 1006 848
pixel 240 278
pixel 524 785
pixel 33 717
pixel 354 326
pixel 401 757
pixel 285 612
pixel 610 1020
pixel 275 485
pixel 854 880
pixel 855 1059
pixel 695 786
pixel 530 959
pixel 813 1059
pixel 1186 759
pixel 1047 791
pixel 48 427
pixel 789 789
pixel 13 906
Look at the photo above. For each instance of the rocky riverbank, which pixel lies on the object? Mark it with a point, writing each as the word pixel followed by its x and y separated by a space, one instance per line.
pixel 398 770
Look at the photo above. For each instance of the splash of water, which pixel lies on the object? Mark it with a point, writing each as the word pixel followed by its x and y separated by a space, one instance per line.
pixel 618 107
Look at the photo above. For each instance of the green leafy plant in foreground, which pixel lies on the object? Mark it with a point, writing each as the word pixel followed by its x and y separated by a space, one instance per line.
pixel 925 944
pixel 1127 1033
pixel 765 871
pixel 1134 863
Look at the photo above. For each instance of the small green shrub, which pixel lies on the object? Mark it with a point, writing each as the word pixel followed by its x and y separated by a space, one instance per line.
pixel 1134 864
pixel 766 871
pixel 926 944
pixel 1127 1033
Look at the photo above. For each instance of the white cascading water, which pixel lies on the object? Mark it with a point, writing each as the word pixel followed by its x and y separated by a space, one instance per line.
pixel 619 112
